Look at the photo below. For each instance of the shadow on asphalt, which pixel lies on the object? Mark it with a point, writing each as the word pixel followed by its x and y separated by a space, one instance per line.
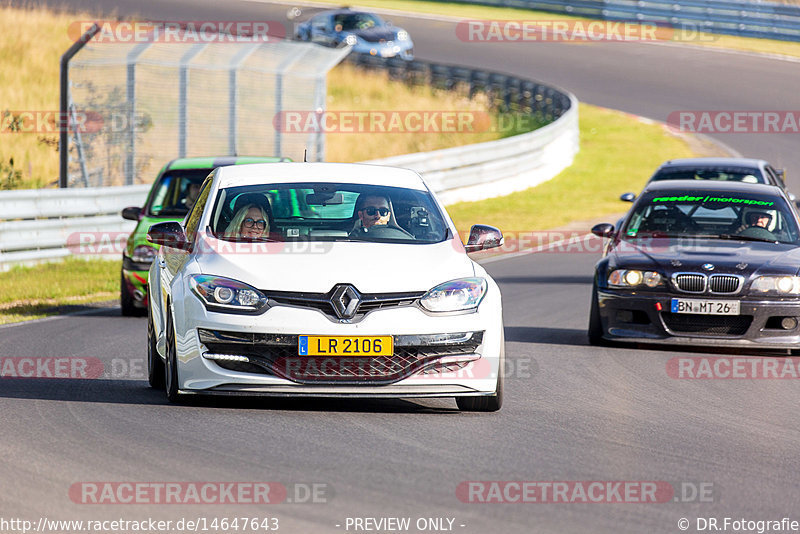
pixel 138 392
pixel 551 336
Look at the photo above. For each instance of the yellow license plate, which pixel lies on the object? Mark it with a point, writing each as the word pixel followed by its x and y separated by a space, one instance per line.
pixel 345 346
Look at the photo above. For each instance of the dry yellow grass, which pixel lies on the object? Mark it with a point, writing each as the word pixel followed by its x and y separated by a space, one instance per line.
pixel 31 46
pixel 352 90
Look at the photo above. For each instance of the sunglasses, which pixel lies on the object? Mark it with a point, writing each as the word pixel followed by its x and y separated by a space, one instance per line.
pixel 250 223
pixel 372 210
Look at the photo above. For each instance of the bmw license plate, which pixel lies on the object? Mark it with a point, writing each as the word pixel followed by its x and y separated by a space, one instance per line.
pixel 345 346
pixel 706 307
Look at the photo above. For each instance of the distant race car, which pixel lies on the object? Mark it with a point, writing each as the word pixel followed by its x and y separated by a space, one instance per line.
pixel 366 32
pixel 169 200
pixel 323 279
pixel 701 263
pixel 745 170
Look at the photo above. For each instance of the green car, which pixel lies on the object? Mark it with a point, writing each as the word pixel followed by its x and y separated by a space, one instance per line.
pixel 172 194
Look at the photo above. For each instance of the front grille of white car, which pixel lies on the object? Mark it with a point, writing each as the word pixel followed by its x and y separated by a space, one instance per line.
pixel 277 355
pixel 326 302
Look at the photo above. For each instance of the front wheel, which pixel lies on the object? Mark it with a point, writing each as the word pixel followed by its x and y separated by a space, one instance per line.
pixel 171 364
pixel 155 365
pixel 595 324
pixel 126 299
pixel 488 403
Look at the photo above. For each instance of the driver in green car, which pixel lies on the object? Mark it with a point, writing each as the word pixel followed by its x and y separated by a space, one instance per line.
pixel 174 192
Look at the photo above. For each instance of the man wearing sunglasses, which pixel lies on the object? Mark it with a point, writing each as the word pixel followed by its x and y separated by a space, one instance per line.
pixel 374 211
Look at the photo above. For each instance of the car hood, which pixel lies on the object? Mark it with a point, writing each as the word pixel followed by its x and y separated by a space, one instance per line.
pixel 317 266
pixel 742 257
pixel 376 34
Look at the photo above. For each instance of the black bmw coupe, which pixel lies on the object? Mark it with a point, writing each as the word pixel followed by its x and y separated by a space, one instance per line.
pixel 701 263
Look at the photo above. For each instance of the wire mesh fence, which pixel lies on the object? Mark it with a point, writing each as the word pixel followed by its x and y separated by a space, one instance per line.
pixel 142 102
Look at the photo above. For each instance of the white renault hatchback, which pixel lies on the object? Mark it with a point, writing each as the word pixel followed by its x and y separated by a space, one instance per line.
pixel 323 280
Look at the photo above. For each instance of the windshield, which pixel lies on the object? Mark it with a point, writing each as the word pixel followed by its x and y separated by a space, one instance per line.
pixel 176 192
pixel 355 21
pixel 327 212
pixel 724 174
pixel 719 215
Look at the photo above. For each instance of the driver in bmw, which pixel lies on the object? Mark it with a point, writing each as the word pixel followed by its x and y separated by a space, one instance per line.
pixel 756 219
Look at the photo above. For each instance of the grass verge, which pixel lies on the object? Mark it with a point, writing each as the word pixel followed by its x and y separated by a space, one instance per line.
pixel 467 11
pixel 49 289
pixel 605 167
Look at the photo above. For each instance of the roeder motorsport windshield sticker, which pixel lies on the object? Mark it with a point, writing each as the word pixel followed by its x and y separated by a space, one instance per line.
pixel 708 198
pixel 634 230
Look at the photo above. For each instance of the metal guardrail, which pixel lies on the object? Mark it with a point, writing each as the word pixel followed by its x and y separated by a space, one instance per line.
pixel 38 225
pixel 764 20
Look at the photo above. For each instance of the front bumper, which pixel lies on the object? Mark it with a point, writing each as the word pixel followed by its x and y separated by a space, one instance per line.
pixel 269 341
pixel 403 49
pixel 634 316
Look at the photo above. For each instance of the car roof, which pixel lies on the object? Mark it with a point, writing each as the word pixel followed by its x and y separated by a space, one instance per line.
pixel 351 173
pixel 212 162
pixel 712 187
pixel 713 162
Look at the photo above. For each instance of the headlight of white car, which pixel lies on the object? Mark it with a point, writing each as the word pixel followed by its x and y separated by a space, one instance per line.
pixel 785 285
pixel 455 295
pixel 224 294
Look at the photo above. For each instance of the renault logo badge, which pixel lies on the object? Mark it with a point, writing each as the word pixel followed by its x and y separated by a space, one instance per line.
pixel 345 300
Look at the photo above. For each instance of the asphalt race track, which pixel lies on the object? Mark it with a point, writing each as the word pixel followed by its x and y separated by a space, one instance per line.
pixel 572 412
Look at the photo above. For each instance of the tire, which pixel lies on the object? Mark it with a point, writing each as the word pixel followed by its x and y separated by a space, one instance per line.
pixel 488 403
pixel 126 299
pixel 171 366
pixel 155 365
pixel 595 324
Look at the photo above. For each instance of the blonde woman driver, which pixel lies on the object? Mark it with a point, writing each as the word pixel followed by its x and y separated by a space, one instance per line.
pixel 250 221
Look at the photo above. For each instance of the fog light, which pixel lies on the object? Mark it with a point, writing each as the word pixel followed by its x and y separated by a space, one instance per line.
pixel 789 323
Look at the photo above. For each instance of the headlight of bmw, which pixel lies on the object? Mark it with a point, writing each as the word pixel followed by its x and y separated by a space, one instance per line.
pixel 456 295
pixel 351 40
pixel 634 278
pixel 225 294
pixel 783 285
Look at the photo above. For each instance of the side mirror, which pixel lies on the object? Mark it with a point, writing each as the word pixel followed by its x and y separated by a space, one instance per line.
pixel 483 237
pixel 168 234
pixel 781 173
pixel 627 197
pixel 131 213
pixel 603 230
